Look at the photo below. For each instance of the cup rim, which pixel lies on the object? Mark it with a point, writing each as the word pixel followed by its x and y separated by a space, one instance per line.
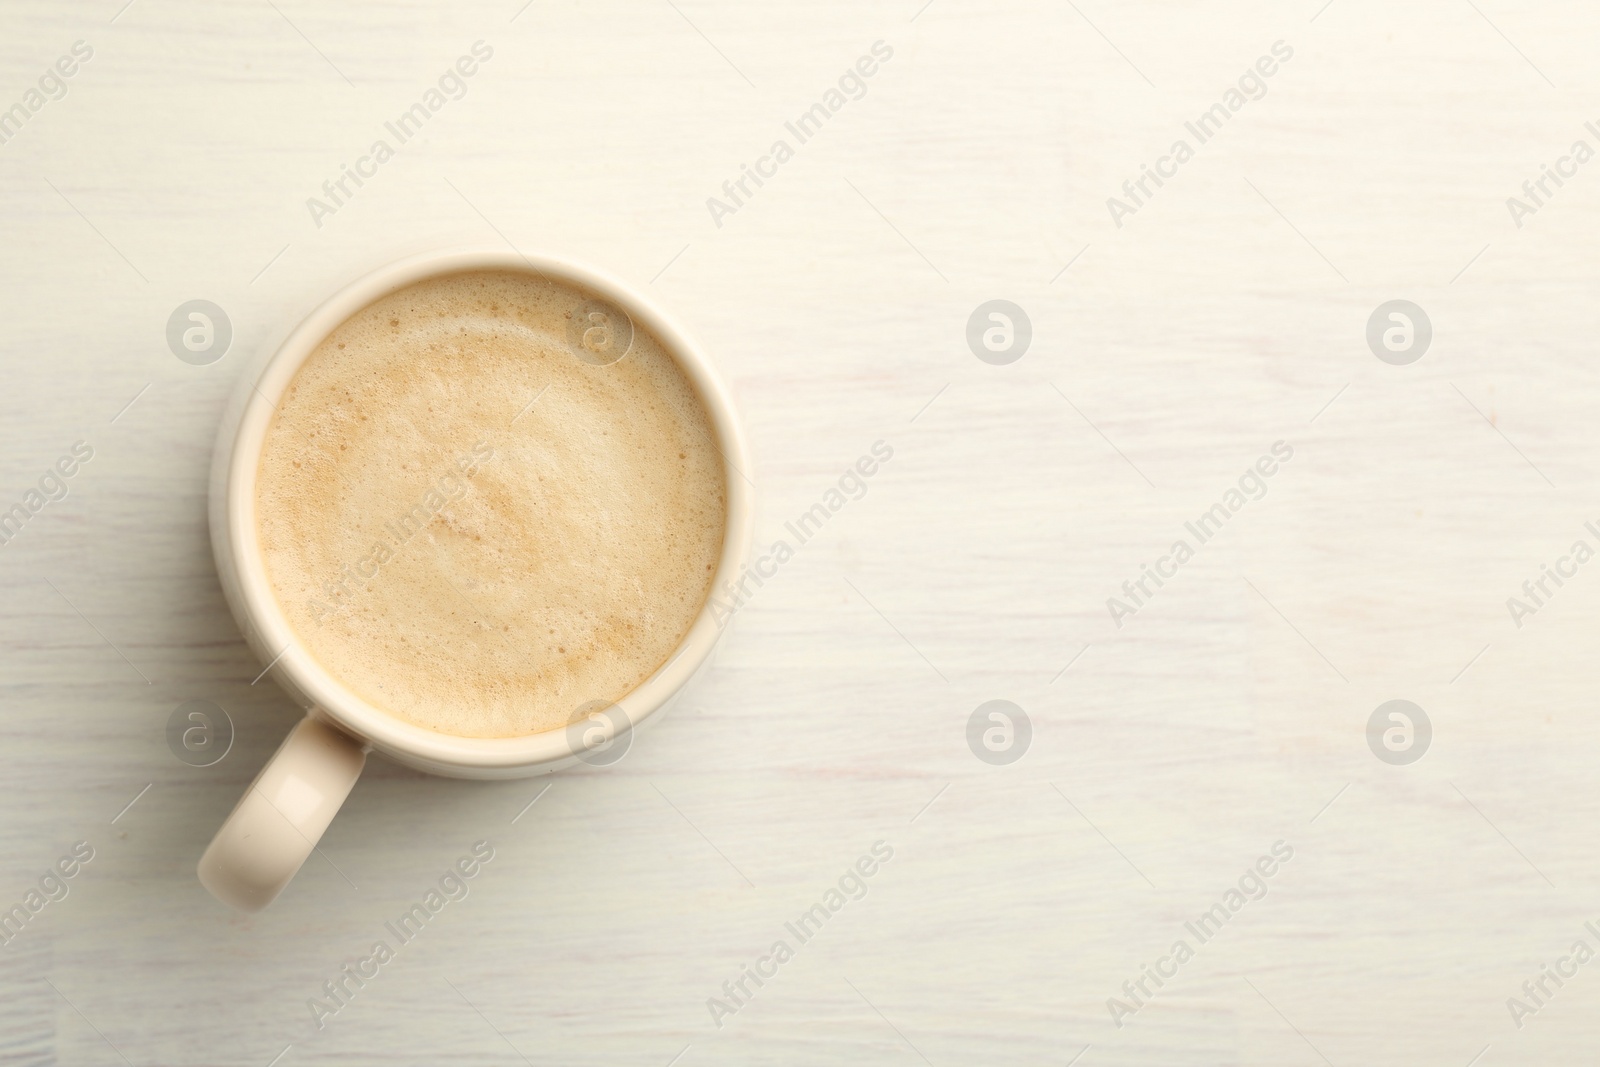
pixel 301 673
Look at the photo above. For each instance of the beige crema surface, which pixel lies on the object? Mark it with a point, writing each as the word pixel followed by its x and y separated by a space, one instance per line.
pixel 465 561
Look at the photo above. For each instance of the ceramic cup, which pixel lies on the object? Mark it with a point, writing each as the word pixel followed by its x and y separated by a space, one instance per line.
pixel 278 821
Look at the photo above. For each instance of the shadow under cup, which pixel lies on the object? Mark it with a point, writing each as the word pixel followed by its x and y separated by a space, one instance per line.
pixel 607 319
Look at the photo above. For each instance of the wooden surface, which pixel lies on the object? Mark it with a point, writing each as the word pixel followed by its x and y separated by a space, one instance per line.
pixel 1230 713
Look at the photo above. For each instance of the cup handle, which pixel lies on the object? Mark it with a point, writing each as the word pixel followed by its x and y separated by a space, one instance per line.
pixel 281 817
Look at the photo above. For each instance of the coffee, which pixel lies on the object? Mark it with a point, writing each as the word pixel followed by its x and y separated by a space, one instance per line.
pixel 480 519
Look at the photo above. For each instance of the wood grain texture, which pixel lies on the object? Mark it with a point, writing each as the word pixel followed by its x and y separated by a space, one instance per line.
pixel 1227 313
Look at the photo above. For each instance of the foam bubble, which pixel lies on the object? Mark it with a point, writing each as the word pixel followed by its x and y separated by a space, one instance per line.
pixel 463 560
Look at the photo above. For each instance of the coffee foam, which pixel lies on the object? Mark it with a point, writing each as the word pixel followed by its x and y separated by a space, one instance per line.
pixel 468 562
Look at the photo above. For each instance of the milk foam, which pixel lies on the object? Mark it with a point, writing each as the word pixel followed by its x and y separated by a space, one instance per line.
pixel 465 561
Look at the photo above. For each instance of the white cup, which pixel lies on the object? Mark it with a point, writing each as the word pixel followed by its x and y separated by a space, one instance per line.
pixel 280 818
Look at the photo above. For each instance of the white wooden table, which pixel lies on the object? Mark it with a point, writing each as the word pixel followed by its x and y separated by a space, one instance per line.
pixel 1226 313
